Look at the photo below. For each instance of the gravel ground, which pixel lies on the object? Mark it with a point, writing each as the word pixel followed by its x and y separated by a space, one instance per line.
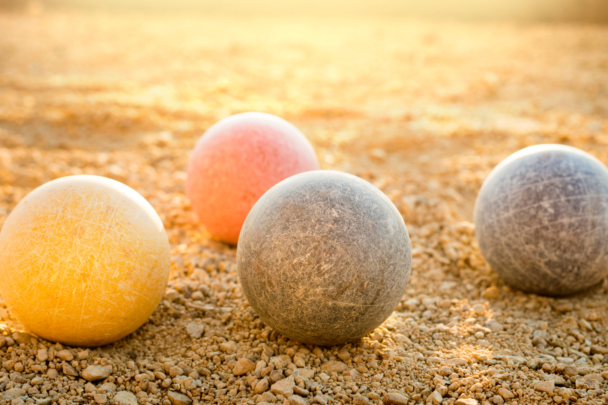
pixel 423 110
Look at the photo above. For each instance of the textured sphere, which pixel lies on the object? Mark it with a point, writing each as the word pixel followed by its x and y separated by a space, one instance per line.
pixel 236 161
pixel 541 220
pixel 84 260
pixel 324 257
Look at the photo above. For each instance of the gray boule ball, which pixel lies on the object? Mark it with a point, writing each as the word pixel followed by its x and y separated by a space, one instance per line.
pixel 324 257
pixel 541 222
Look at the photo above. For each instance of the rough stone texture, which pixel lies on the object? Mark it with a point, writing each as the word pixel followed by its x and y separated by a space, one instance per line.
pixel 505 393
pixel 195 329
pixel 95 373
pixel 334 366
pixel 100 398
pixel 17 401
pixel 361 400
pixel 22 338
pixel 306 373
pixel 125 398
pixel 261 386
pixel 65 355
pixel 243 366
pixel 178 399
pixel 545 386
pixel 321 399
pixel 296 400
pixel 14 393
pixel 497 400
pixel 324 257
pixel 283 387
pixel 541 220
pixel 69 370
pixel 435 397
pixel 393 398
pixel 107 387
pixel 467 401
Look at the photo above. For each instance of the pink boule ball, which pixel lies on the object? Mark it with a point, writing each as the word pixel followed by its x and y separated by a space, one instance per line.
pixel 236 161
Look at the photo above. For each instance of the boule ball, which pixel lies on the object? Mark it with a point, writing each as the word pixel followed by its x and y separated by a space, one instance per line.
pixel 324 257
pixel 84 261
pixel 541 222
pixel 236 161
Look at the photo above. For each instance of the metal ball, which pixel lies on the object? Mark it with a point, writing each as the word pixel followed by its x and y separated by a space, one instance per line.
pixel 324 257
pixel 541 220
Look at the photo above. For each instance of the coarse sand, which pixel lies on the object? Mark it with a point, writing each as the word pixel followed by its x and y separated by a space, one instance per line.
pixel 423 110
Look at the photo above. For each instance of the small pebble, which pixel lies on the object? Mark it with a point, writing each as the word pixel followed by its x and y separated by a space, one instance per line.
pixel 96 373
pixel 393 398
pixel 178 399
pixel 545 386
pixel 100 398
pixel 243 366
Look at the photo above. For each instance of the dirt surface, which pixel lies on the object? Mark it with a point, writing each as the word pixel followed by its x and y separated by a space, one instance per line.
pixel 421 110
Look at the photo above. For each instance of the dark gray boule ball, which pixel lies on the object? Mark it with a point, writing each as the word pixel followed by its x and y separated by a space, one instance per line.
pixel 541 221
pixel 324 257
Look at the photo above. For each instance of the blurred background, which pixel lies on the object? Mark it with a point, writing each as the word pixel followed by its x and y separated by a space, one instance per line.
pixel 421 98
pixel 525 10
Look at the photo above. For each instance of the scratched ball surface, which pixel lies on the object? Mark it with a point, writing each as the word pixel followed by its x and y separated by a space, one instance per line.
pixel 84 260
pixel 236 161
pixel 541 220
pixel 324 257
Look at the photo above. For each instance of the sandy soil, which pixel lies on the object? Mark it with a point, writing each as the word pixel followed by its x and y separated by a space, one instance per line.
pixel 423 110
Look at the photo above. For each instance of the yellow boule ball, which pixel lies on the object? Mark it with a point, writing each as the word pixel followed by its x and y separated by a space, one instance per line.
pixel 84 260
